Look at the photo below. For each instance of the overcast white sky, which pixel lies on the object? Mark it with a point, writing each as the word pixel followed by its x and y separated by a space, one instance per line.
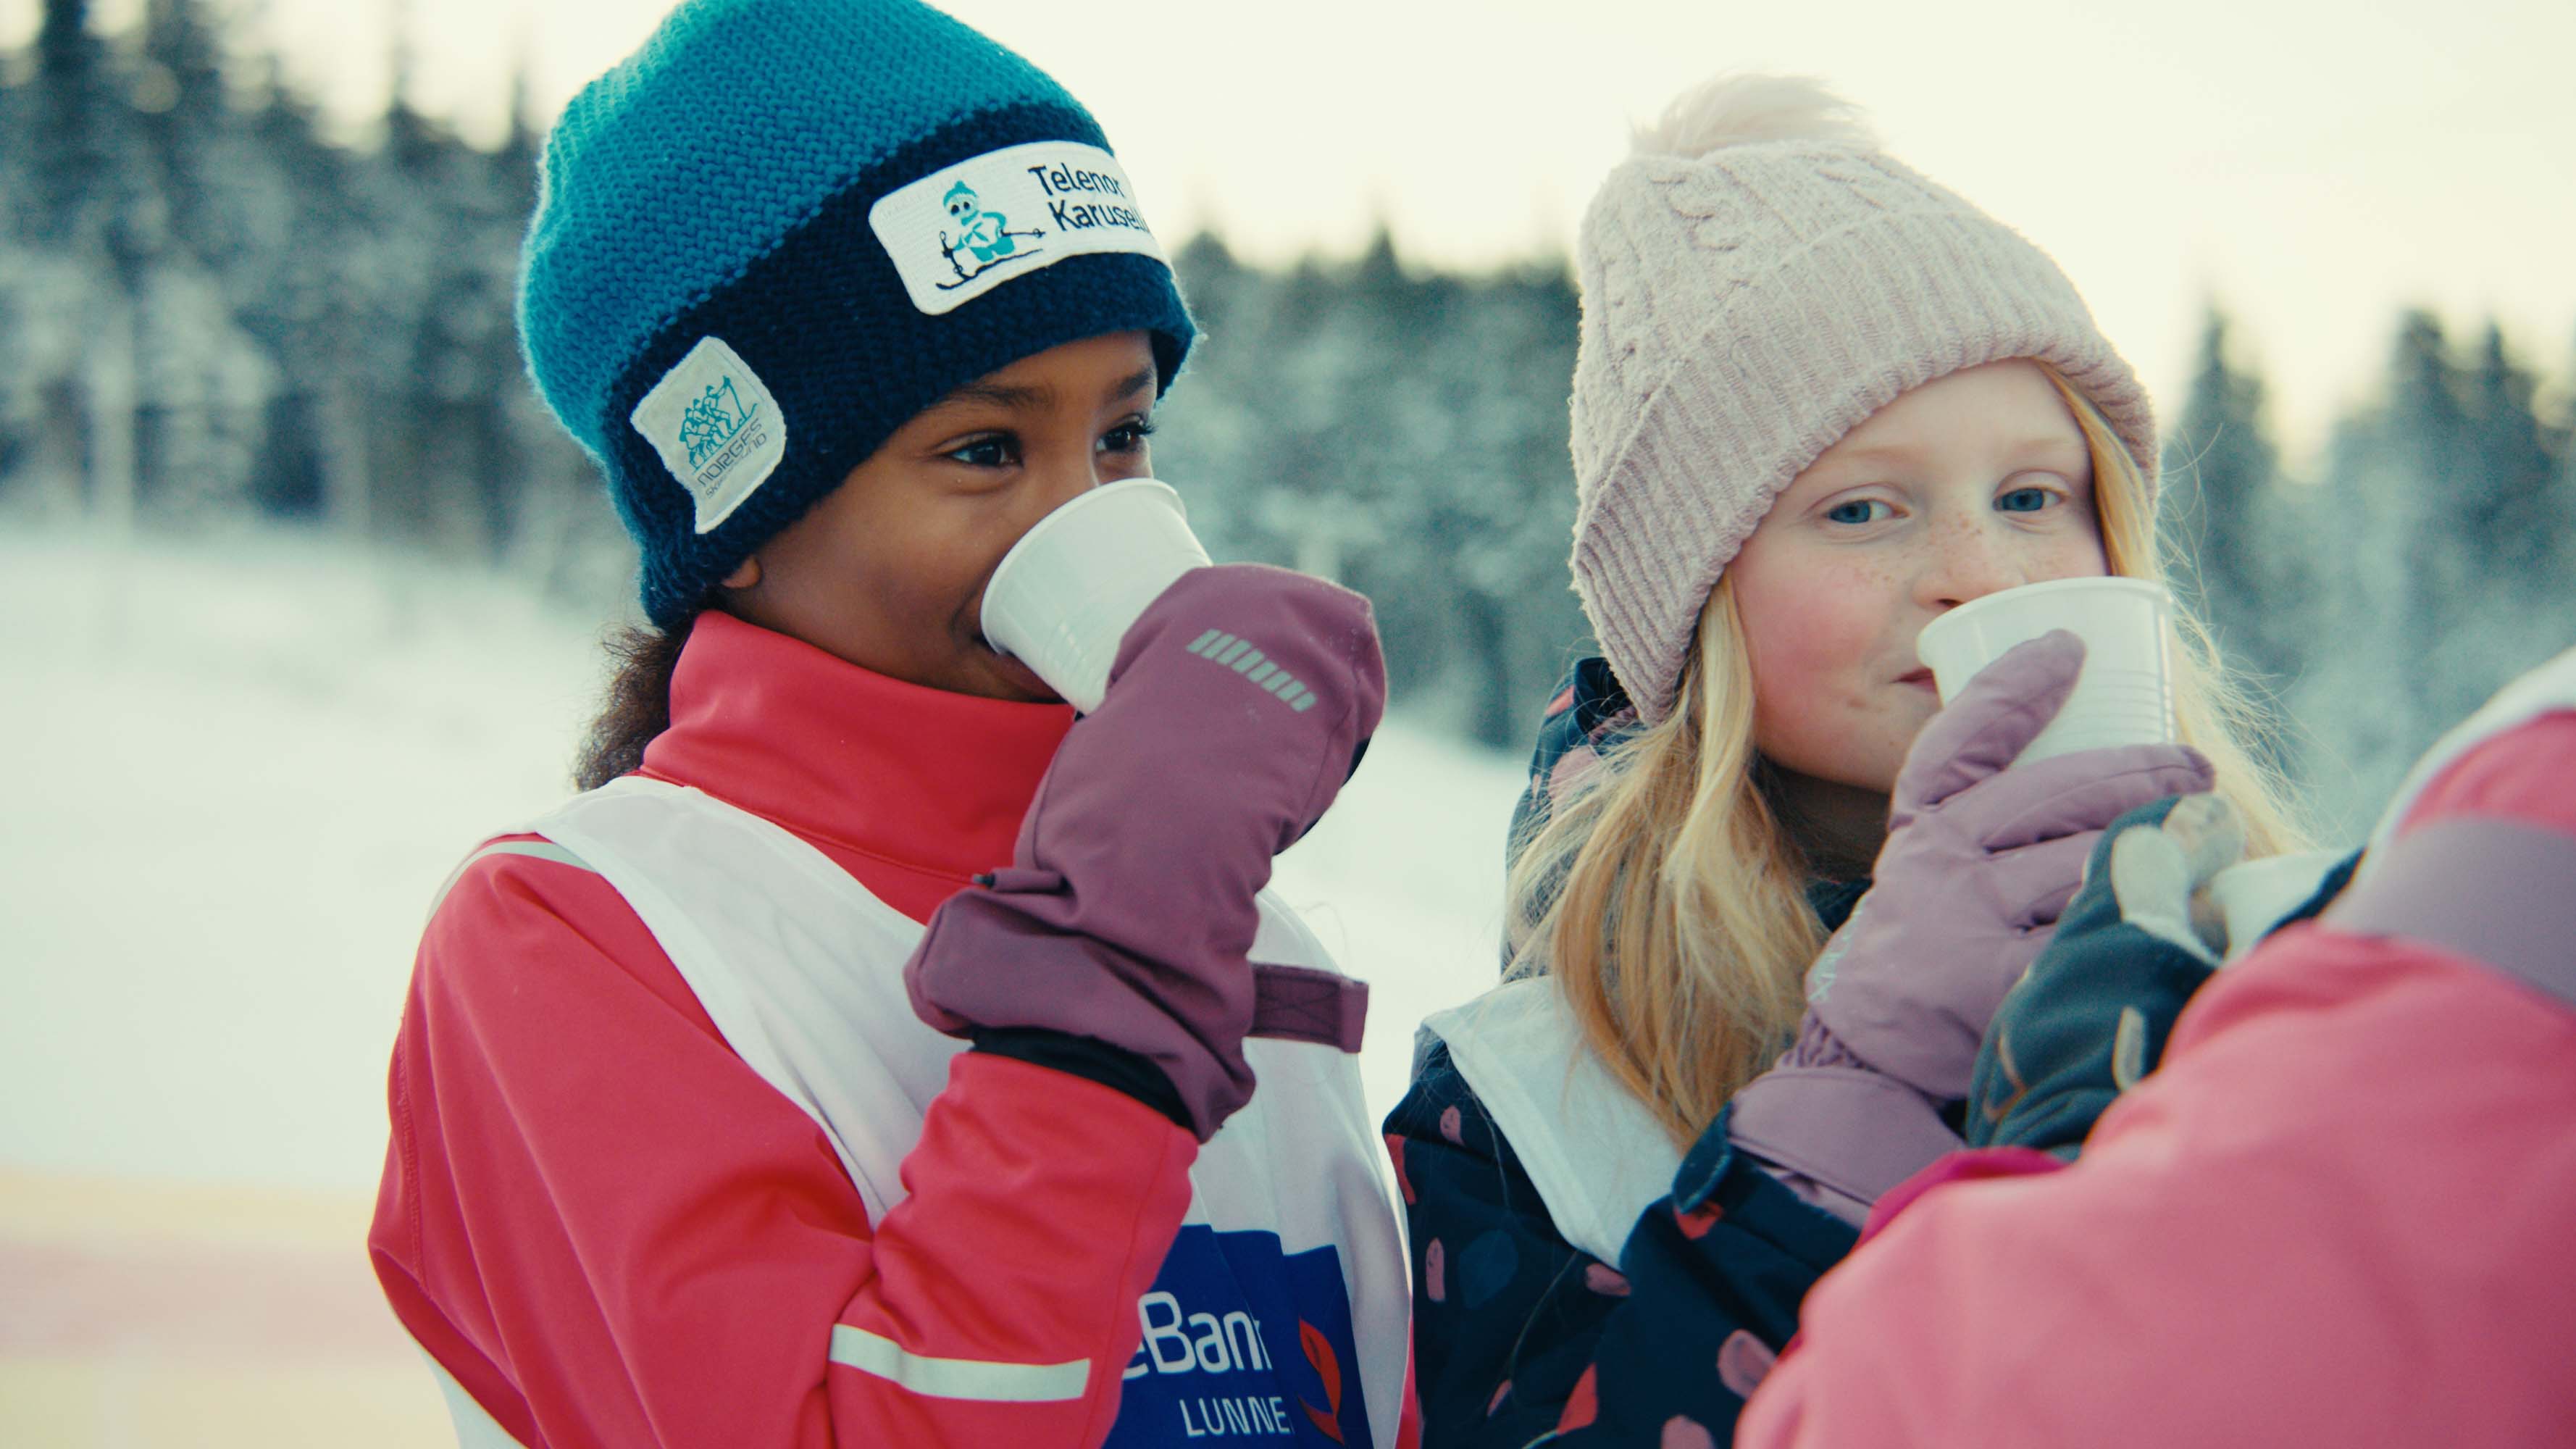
pixel 2312 165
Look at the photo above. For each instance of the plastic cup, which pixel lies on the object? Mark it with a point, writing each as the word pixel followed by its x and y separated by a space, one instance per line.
pixel 1066 594
pixel 2124 696
pixel 2252 896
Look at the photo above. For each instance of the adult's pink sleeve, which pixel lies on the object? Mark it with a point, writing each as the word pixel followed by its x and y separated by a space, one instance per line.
pixel 2338 1214
pixel 610 1231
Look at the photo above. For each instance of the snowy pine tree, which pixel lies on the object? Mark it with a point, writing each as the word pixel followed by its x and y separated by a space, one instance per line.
pixel 2558 566
pixel 72 120
pixel 101 222
pixel 2449 546
pixel 1492 513
pixel 1210 430
pixel 2226 521
pixel 2511 527
pixel 289 216
pixel 2517 528
pixel 211 307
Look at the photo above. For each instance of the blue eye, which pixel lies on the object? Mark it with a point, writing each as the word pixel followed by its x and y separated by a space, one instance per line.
pixel 1856 511
pixel 2023 500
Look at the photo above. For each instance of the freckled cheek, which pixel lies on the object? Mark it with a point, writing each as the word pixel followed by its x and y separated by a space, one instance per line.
pixel 2079 557
pixel 2073 552
pixel 1813 650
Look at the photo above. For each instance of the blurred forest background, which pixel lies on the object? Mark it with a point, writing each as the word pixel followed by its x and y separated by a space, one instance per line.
pixel 213 310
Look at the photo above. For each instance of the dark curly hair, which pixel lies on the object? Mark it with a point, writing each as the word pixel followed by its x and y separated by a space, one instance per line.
pixel 638 706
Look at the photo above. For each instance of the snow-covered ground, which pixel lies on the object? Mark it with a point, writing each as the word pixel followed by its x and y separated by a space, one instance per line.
pixel 241 766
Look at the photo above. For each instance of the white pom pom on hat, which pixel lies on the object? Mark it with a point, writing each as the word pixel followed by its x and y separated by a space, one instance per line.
pixel 1758 278
pixel 1745 107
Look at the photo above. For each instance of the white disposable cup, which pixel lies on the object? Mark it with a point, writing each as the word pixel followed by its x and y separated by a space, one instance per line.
pixel 2125 696
pixel 2252 896
pixel 1066 594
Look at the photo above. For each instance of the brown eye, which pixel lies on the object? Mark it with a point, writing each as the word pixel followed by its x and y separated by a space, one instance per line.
pixel 997 451
pixel 1127 437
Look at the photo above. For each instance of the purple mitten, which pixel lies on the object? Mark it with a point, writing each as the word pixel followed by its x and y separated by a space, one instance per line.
pixel 1839 1134
pixel 1237 707
pixel 1978 862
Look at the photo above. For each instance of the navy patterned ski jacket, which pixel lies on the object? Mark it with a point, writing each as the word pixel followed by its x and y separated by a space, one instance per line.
pixel 1520 1337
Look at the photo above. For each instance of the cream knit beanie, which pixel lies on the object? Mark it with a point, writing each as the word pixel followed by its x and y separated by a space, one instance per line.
pixel 1758 278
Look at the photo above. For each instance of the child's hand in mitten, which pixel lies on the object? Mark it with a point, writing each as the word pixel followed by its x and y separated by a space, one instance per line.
pixel 2091 1017
pixel 1982 854
pixel 1236 709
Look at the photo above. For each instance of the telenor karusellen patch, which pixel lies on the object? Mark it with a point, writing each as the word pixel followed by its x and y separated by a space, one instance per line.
pixel 717 428
pixel 959 233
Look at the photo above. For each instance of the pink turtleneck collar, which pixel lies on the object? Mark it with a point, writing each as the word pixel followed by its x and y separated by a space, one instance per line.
pixel 912 790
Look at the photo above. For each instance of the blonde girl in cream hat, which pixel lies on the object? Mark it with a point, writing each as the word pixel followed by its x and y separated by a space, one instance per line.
pixel 1820 400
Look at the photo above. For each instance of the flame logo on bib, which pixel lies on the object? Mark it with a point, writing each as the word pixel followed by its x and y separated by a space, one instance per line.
pixel 1319 1352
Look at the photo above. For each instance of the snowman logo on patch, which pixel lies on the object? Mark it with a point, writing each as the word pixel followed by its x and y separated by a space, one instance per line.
pixel 983 237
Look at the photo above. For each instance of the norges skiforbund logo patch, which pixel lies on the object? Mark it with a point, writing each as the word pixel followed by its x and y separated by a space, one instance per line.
pixel 965 229
pixel 953 235
pixel 716 426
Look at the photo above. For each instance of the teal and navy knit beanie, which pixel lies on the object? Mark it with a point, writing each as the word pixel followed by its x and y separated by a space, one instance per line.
pixel 783 228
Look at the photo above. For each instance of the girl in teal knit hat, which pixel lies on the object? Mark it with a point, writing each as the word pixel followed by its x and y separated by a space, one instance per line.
pixel 872 1053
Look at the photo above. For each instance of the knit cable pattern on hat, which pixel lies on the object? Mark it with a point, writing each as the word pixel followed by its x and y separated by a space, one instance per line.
pixel 1744 309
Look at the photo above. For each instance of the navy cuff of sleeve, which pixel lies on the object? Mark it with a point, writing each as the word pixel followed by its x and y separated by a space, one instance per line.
pixel 1089 1058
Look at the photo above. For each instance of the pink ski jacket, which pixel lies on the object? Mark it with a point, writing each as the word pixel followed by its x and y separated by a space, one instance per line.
pixel 606 1228
pixel 2342 1212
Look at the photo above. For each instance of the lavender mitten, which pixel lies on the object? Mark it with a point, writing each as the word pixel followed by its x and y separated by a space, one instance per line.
pixel 1979 861
pixel 1237 707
